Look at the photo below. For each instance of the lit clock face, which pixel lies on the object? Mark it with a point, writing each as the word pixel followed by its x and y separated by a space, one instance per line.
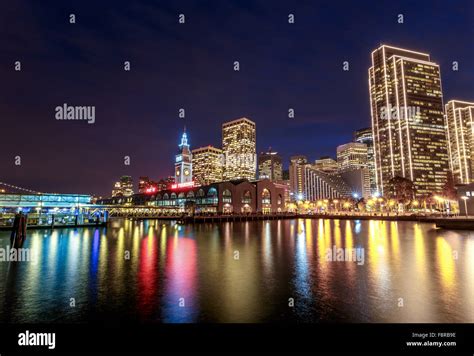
pixel 186 172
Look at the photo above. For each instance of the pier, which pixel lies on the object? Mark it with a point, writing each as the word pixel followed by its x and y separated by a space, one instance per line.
pixel 454 222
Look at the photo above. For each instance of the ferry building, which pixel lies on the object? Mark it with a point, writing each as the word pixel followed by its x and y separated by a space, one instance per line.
pixel 236 196
pixel 233 196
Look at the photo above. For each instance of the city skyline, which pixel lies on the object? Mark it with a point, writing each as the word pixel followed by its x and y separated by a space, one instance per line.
pixel 139 128
pixel 239 175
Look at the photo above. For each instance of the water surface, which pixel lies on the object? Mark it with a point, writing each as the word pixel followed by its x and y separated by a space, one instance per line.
pixel 266 271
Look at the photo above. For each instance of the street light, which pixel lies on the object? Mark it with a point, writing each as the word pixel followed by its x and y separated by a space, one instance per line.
pixel 440 201
pixel 415 203
pixel 465 204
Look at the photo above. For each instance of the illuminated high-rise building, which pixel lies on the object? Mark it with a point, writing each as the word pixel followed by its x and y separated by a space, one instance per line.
pixel 297 168
pixel 321 185
pixel 352 161
pixel 183 167
pixel 326 164
pixel 352 155
pixel 208 165
pixel 239 146
pixel 459 116
pixel 124 187
pixel 407 119
pixel 309 183
pixel 165 183
pixel 270 166
pixel 365 136
pixel 146 185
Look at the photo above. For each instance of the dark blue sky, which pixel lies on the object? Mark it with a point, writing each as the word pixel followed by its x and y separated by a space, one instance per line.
pixel 191 66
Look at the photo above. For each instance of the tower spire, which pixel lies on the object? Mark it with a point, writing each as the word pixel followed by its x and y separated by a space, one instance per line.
pixel 184 139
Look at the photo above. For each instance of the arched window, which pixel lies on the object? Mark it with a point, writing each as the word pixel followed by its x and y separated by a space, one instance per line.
pixel 280 199
pixel 212 192
pixel 173 195
pixel 212 196
pixel 181 195
pixel 190 194
pixel 227 196
pixel 158 197
pixel 246 197
pixel 266 197
pixel 166 196
pixel 200 193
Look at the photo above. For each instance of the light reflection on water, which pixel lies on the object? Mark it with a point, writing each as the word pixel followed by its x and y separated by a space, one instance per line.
pixel 155 271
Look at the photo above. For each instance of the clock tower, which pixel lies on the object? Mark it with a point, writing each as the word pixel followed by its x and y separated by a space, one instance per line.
pixel 183 167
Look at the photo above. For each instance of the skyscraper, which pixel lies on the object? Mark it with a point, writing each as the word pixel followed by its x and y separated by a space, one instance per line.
pixel 270 166
pixel 146 185
pixel 459 117
pixel 297 167
pixel 365 136
pixel 239 146
pixel 183 167
pixel 208 164
pixel 352 161
pixel 124 187
pixel 352 155
pixel 407 119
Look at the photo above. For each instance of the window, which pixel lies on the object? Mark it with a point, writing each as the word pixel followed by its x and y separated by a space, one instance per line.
pixel 212 196
pixel 266 197
pixel 247 197
pixel 226 196
pixel 212 192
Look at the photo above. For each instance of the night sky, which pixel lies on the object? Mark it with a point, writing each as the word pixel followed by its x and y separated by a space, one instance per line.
pixel 190 66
